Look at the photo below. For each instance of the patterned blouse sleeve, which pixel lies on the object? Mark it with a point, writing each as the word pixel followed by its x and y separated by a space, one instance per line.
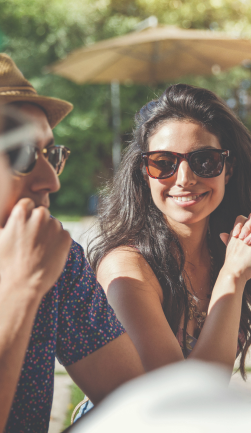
pixel 86 321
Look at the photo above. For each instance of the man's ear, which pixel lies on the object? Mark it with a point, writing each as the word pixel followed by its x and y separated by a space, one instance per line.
pixel 229 170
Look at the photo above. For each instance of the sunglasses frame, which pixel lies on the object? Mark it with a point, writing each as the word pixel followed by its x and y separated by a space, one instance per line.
pixel 184 156
pixel 44 152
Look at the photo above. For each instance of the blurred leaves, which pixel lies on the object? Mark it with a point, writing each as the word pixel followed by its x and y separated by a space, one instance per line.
pixel 36 33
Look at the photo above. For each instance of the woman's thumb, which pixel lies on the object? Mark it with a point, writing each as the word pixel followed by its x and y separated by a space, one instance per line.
pixel 224 237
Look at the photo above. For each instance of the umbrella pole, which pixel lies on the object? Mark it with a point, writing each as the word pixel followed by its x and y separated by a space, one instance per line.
pixel 116 121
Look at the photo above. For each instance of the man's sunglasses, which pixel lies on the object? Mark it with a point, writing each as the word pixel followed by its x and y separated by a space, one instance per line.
pixel 23 159
pixel 204 163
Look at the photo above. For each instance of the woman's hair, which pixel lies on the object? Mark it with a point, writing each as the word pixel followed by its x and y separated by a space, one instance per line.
pixel 128 215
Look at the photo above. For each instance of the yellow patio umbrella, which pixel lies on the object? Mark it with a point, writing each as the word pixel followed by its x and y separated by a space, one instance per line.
pixel 151 56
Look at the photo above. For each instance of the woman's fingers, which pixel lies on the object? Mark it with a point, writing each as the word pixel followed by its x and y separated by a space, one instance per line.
pixel 241 230
pixel 237 229
pixel 224 237
pixel 238 225
pixel 247 240
pixel 246 229
pixel 242 227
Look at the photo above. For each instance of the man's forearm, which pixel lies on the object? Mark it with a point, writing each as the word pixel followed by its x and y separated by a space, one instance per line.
pixel 17 313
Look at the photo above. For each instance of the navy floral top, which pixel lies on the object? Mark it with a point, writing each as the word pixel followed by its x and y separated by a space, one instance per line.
pixel 73 320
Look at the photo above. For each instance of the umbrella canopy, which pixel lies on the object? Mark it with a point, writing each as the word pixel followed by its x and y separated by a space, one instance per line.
pixel 154 55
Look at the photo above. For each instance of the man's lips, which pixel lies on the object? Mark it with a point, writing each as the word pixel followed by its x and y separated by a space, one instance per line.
pixel 184 198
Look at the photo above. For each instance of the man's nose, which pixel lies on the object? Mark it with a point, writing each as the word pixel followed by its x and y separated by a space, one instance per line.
pixel 45 177
pixel 185 175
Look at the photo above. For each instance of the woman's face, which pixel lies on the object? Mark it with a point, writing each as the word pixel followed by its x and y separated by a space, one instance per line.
pixel 184 137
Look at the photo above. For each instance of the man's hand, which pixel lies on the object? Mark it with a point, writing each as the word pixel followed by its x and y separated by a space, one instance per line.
pixel 33 249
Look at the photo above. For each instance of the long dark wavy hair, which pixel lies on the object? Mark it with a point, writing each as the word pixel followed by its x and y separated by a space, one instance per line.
pixel 128 215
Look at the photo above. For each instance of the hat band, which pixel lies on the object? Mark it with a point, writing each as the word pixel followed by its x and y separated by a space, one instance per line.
pixel 17 90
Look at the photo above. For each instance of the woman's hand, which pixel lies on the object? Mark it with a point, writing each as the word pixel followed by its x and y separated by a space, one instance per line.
pixel 241 230
pixel 238 252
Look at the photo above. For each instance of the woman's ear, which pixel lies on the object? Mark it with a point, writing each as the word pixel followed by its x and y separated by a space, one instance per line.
pixel 145 175
pixel 229 170
pixel 146 178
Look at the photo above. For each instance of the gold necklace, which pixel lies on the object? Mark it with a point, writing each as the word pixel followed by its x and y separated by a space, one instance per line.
pixel 193 310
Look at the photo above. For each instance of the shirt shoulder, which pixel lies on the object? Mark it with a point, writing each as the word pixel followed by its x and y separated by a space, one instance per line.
pixel 77 269
pixel 86 321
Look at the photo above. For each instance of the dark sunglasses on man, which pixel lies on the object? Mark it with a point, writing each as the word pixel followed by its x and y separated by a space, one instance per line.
pixel 17 142
pixel 23 159
pixel 204 162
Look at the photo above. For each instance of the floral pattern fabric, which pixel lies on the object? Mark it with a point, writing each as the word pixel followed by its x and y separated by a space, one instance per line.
pixel 73 320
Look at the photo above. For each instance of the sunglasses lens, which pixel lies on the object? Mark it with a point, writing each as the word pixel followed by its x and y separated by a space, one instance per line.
pixel 161 165
pixel 22 159
pixel 57 158
pixel 207 163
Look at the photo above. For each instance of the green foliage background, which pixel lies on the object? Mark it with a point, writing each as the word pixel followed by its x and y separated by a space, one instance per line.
pixel 38 32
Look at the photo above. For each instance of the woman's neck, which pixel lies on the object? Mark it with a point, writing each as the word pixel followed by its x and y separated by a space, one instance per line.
pixel 193 239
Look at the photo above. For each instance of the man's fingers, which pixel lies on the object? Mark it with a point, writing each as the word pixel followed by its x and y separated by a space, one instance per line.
pixel 66 241
pixel 21 211
pixel 26 204
pixel 40 215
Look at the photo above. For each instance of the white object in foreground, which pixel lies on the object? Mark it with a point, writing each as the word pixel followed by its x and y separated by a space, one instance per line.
pixel 187 397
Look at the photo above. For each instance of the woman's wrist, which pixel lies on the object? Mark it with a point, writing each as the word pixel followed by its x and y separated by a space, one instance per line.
pixel 234 276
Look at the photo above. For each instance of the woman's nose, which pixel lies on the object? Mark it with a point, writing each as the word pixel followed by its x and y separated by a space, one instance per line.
pixel 184 175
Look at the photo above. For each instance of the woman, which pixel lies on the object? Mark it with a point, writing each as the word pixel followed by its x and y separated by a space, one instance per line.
pixel 160 255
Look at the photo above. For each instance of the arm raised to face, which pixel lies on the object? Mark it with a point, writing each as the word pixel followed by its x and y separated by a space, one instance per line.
pixel 33 251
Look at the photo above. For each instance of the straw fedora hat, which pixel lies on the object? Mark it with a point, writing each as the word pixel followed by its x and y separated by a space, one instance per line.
pixel 14 87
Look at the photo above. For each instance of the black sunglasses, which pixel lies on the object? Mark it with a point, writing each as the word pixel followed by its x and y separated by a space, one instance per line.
pixel 23 159
pixel 204 163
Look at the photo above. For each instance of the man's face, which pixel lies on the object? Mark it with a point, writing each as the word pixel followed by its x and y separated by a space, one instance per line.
pixel 43 179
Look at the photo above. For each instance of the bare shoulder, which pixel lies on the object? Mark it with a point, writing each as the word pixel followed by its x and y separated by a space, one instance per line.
pixel 126 262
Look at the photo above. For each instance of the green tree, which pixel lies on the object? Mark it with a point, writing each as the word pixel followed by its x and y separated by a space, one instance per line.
pixel 37 33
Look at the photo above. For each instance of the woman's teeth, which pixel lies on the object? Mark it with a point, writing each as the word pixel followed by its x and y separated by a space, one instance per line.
pixel 187 198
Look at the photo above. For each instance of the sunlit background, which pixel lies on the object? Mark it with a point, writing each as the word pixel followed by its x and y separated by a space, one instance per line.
pixel 37 33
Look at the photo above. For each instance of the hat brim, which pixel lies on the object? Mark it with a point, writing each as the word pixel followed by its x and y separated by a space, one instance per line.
pixel 55 109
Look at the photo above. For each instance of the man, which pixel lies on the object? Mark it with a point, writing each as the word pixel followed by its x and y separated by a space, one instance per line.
pixel 74 321
pixel 33 251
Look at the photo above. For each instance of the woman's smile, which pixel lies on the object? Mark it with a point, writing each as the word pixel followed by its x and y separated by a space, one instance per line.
pixel 185 197
pixel 188 199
